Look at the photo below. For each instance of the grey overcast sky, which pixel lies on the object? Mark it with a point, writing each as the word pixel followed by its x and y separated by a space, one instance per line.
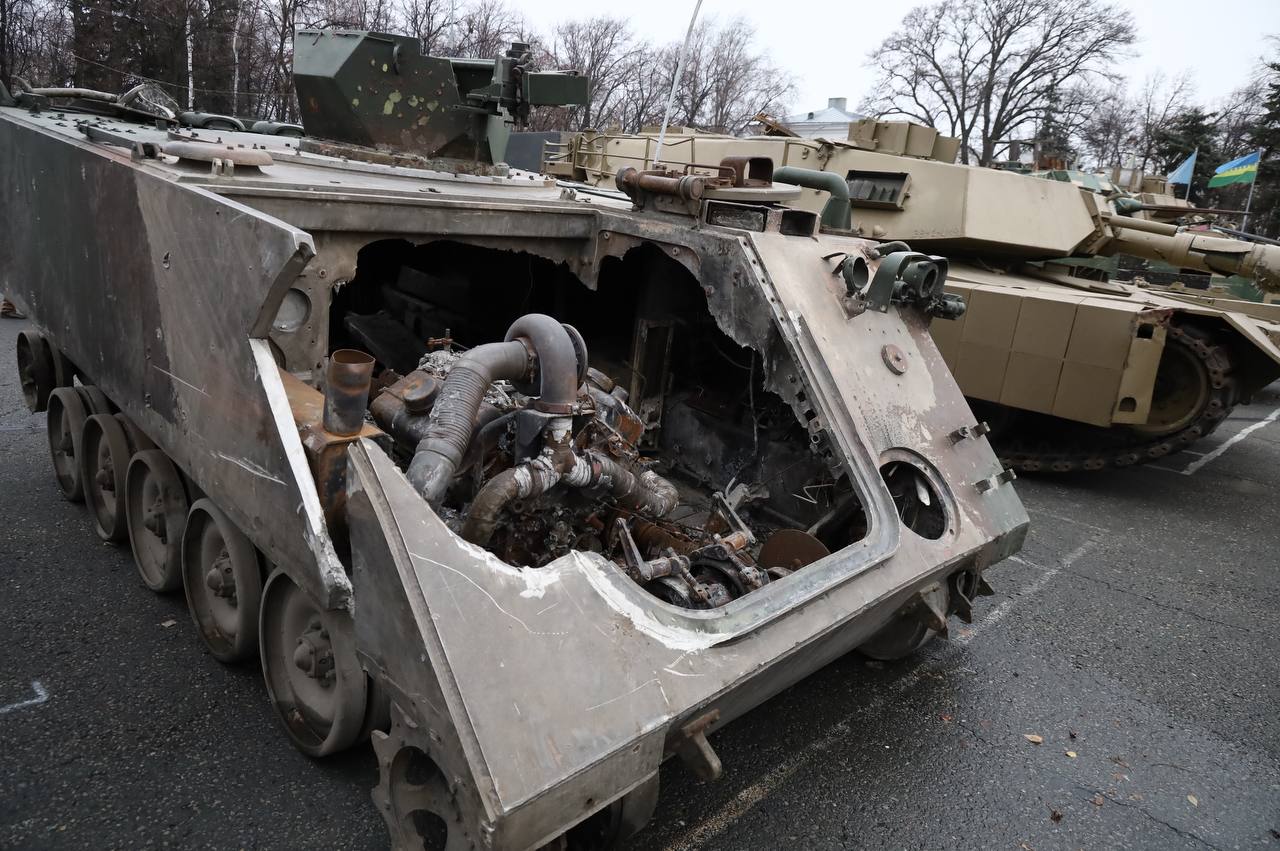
pixel 1219 42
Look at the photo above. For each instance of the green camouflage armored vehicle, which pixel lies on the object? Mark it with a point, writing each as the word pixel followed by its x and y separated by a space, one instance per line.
pixel 1071 370
pixel 536 488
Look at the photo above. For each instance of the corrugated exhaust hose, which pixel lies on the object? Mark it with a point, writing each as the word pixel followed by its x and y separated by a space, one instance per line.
pixel 536 345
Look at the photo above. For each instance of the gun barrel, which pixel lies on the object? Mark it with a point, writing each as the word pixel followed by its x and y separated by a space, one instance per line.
pixel 1190 249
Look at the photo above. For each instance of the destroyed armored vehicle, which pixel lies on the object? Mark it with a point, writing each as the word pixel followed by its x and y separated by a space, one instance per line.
pixel 537 488
pixel 1072 371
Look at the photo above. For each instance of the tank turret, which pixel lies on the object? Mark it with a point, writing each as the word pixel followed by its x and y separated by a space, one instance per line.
pixel 1075 371
pixel 379 90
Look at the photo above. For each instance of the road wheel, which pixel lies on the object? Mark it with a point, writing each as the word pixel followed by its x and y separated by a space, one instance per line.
pixel 65 427
pixel 309 662
pixel 223 581
pixel 156 506
pixel 95 401
pixel 35 370
pixel 104 463
pixel 898 639
pixel 138 439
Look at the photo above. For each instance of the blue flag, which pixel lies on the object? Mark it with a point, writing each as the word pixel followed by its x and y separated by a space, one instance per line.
pixel 1182 174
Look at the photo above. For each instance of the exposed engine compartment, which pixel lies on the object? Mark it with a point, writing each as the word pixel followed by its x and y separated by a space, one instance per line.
pixel 691 476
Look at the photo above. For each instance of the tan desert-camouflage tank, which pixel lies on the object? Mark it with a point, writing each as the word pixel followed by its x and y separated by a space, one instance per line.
pixel 535 488
pixel 1072 372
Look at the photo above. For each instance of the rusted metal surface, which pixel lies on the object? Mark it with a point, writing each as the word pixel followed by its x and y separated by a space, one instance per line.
pixel 634 538
pixel 326 450
pixel 346 391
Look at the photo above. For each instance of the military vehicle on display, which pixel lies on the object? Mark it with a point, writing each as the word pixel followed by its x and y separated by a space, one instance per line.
pixel 536 487
pixel 1072 371
pixel 1146 196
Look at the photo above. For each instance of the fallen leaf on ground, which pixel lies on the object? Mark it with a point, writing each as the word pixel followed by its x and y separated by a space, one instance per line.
pixel 1055 815
pixel 1071 754
pixel 1096 800
pixel 1033 738
pixel 946 717
pixel 1195 802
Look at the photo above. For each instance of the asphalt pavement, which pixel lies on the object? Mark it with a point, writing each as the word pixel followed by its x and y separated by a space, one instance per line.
pixel 1134 638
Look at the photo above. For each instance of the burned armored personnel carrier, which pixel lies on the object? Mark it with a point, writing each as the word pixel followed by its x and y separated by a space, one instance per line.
pixel 1071 370
pixel 537 488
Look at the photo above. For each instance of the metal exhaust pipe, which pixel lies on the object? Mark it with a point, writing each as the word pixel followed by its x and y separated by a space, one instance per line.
pixel 346 391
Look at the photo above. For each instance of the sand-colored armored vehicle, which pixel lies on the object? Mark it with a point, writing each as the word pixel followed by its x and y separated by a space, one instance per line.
pixel 1072 371
pixel 535 487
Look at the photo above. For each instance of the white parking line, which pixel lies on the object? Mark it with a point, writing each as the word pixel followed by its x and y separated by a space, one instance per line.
pixel 747 799
pixel 997 614
pixel 1231 441
pixel 41 697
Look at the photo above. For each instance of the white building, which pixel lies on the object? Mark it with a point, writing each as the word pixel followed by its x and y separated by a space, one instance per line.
pixel 830 123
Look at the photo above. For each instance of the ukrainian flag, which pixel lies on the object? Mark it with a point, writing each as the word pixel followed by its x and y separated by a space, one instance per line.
pixel 1243 170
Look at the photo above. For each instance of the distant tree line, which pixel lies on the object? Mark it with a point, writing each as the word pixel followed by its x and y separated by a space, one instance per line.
pixel 235 56
pixel 1050 74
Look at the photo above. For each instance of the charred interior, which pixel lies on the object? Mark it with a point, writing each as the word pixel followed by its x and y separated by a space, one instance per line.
pixel 629 424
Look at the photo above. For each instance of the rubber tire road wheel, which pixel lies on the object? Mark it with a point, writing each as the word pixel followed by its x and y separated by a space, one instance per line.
pixel 322 715
pixel 35 370
pixel 897 639
pixel 104 463
pixel 138 439
pixel 64 371
pixel 156 506
pixel 64 425
pixel 95 400
pixel 223 581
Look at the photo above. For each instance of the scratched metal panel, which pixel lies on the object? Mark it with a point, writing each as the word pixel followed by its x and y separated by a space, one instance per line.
pixel 578 670
pixel 151 287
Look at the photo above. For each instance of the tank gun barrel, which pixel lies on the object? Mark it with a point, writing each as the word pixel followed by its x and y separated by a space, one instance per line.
pixel 1196 250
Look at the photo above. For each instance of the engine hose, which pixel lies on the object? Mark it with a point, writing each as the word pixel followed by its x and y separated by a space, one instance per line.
pixel 453 415
pixel 484 439
pixel 488 504
pixel 557 358
pixel 647 493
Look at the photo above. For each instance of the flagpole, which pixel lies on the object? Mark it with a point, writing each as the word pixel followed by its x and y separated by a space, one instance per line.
pixel 675 81
pixel 1244 224
pixel 1192 175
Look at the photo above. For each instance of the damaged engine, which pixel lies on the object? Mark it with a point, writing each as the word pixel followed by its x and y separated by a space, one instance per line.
pixel 526 450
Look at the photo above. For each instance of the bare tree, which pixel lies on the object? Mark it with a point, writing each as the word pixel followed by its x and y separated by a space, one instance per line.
pixel 983 70
pixel 1113 129
pixel 35 38
pixel 1243 110
pixel 429 21
pixel 1160 100
pixel 486 30
pixel 727 80
pixel 605 50
pixel 646 93
pixel 237 55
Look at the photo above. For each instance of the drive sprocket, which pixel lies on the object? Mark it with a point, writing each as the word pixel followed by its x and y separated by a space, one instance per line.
pixel 417 800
